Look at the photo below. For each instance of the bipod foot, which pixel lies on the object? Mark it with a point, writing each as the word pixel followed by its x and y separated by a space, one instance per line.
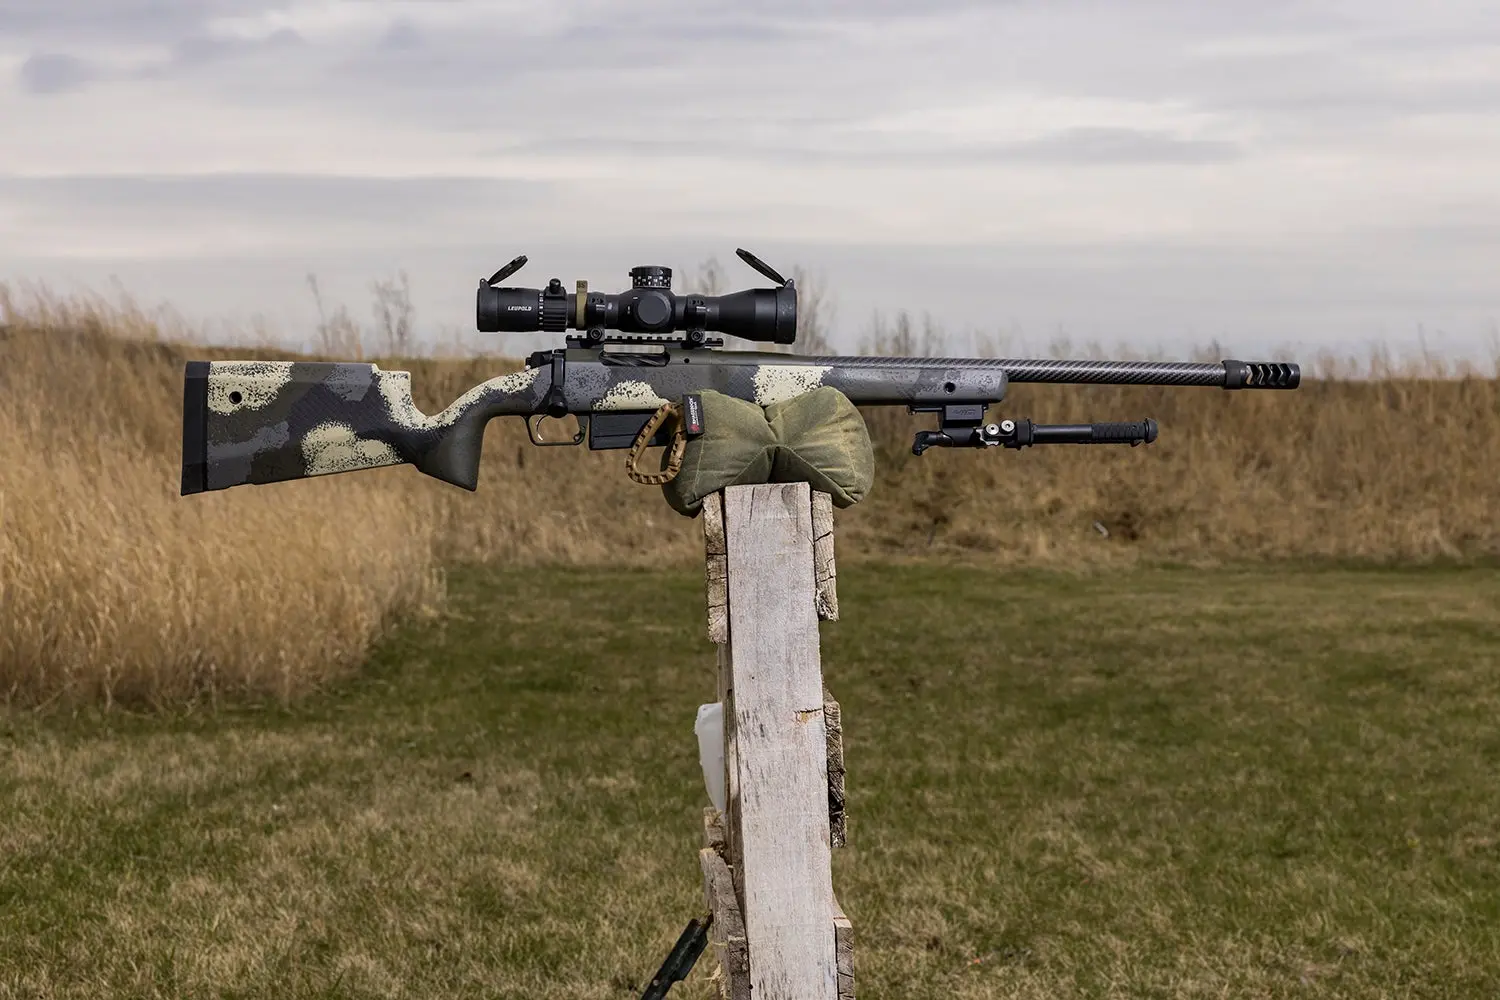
pixel 681 959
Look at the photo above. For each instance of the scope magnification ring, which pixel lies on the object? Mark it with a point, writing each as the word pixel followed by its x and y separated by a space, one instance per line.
pixel 554 313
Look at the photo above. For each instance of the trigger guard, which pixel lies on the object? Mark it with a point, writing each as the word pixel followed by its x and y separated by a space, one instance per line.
pixel 533 424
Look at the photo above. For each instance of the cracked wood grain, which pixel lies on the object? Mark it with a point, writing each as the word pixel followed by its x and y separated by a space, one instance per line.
pixel 781 833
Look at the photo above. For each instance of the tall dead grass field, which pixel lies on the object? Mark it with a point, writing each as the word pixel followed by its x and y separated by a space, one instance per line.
pixel 115 589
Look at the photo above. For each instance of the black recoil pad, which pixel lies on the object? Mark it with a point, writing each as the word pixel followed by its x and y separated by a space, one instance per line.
pixel 195 428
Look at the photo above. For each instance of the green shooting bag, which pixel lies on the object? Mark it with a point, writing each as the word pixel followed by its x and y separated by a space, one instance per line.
pixel 817 438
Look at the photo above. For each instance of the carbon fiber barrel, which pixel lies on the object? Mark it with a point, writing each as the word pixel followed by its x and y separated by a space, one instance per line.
pixel 1115 372
pixel 1223 374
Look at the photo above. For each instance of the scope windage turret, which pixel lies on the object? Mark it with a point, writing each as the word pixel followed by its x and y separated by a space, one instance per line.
pixel 767 315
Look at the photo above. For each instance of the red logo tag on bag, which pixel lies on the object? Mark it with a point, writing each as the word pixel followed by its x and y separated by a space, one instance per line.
pixel 692 415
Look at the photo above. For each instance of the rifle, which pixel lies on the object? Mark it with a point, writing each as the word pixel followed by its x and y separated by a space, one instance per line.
pixel 269 421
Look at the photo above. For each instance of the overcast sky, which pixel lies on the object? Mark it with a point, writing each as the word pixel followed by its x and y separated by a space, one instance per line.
pixel 1158 172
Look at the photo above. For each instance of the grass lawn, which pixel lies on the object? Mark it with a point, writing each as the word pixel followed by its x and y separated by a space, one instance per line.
pixel 1151 783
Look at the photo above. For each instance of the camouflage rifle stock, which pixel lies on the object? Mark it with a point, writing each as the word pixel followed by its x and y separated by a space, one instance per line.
pixel 269 421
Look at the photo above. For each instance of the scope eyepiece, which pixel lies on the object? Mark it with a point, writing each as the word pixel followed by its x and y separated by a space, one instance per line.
pixel 765 315
pixel 508 310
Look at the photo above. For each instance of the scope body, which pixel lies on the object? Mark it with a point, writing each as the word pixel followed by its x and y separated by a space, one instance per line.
pixel 766 315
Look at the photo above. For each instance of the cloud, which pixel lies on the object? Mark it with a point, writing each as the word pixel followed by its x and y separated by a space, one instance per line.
pixel 85 22
pixel 403 35
pixel 1152 129
pixel 1117 146
pixel 1076 147
pixel 202 49
pixel 232 212
pixel 53 73
pixel 180 30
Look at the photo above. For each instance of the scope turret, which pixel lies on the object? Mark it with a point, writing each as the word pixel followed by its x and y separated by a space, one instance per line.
pixel 651 276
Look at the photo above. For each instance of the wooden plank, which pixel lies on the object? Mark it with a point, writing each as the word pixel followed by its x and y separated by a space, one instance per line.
pixel 713 830
pixel 838 815
pixel 843 936
pixel 780 741
pixel 727 934
pixel 825 571
pixel 731 850
pixel 713 524
pixel 716 568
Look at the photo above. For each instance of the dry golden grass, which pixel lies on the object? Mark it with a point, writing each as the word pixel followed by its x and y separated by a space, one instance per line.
pixel 114 588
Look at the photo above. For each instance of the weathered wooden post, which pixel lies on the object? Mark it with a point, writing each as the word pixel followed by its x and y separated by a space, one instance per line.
pixel 778 932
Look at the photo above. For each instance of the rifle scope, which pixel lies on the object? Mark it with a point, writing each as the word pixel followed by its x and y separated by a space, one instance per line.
pixel 767 315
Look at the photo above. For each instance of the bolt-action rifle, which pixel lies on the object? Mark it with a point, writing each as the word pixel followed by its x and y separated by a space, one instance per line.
pixel 268 421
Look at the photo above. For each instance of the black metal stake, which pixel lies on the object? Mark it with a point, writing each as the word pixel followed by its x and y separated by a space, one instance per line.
pixel 681 959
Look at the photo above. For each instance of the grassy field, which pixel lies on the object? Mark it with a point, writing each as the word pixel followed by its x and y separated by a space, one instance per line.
pixel 1168 782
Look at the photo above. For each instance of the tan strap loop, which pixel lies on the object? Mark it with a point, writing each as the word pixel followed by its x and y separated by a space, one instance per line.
pixel 674 455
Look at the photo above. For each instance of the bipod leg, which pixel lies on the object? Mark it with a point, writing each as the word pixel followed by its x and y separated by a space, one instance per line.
pixel 681 959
